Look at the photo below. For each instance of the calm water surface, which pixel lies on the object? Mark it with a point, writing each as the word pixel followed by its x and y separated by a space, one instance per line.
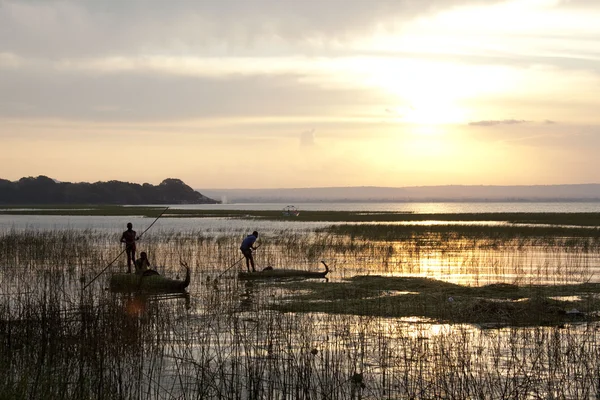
pixel 419 208
pixel 217 225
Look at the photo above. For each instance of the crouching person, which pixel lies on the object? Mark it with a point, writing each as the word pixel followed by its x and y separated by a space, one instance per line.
pixel 142 264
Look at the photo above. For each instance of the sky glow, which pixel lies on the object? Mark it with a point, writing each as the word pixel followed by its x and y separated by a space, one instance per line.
pixel 283 93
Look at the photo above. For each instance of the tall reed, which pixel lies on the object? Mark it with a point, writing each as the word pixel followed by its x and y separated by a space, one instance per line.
pixel 223 340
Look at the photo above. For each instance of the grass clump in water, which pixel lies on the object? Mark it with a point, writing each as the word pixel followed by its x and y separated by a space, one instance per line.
pixel 398 297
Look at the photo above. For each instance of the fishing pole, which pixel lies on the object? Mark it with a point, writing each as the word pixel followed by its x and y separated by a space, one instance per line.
pixel 235 263
pixel 153 222
pixel 117 257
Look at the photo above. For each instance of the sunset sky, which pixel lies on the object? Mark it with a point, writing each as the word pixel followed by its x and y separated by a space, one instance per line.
pixel 301 93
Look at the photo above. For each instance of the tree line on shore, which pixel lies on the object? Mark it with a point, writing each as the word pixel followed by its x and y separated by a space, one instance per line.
pixel 44 190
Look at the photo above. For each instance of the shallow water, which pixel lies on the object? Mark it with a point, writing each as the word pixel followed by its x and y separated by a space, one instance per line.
pixel 222 340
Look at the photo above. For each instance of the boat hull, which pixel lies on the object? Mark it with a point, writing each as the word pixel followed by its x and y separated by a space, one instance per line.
pixel 148 283
pixel 278 273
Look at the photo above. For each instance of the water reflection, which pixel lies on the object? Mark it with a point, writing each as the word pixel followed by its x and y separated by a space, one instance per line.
pixel 252 352
pixel 411 207
pixel 472 262
pixel 138 304
pixel 224 338
pixel 247 297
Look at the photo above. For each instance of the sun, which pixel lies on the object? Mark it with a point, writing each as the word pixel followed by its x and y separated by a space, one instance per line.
pixel 429 92
pixel 431 111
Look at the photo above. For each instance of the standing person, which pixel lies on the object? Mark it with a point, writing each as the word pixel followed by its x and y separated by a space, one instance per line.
pixel 247 247
pixel 129 237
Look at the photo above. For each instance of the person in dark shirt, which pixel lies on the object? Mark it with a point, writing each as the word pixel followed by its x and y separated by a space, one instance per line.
pixel 247 247
pixel 129 237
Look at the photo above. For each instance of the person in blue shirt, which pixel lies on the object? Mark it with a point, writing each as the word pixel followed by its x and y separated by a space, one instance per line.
pixel 247 247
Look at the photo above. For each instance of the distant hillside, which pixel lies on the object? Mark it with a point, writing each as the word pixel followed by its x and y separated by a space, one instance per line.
pixel 43 190
pixel 451 193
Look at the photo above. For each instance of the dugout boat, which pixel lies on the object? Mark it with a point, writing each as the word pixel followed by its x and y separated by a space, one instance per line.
pixel 149 281
pixel 284 273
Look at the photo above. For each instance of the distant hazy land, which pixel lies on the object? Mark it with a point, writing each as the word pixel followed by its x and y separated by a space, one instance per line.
pixel 450 193
pixel 44 190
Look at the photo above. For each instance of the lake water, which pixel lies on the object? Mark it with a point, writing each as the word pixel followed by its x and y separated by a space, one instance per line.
pixel 222 337
pixel 419 208
pixel 473 267
pixel 217 225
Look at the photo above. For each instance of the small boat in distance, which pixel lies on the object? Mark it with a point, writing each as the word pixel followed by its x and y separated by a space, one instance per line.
pixel 277 273
pixel 149 281
pixel 291 211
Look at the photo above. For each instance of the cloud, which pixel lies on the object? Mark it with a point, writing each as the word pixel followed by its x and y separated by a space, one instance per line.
pixel 10 61
pixel 67 28
pixel 498 122
pixel 307 138
pixel 587 4
pixel 539 136
pixel 148 96
pixel 109 32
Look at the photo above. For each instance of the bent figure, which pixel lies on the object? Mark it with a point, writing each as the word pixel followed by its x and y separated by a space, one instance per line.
pixel 247 247
pixel 142 264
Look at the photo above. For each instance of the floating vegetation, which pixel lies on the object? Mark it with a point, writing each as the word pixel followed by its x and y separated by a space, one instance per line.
pixel 501 304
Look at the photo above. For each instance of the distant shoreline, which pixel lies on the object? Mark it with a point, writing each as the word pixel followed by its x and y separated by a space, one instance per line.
pixel 436 200
pixel 440 194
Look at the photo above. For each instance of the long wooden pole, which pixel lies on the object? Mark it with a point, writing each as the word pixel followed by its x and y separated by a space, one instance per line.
pixel 165 210
pixel 232 265
pixel 117 257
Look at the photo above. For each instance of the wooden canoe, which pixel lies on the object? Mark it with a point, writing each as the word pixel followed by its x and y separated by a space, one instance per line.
pixel 150 281
pixel 279 273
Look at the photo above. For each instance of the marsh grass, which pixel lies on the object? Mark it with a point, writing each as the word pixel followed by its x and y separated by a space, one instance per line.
pixel 488 235
pixel 481 254
pixel 228 339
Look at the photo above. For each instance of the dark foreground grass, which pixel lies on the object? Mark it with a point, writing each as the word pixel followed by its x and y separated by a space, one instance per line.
pixel 502 304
